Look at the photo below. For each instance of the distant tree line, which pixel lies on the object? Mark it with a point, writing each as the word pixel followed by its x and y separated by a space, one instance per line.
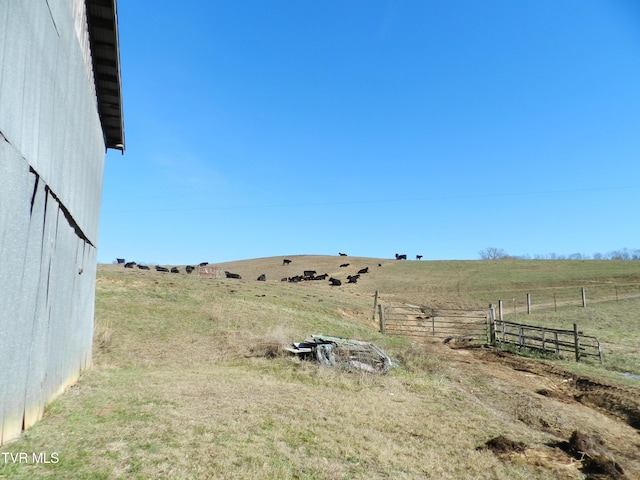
pixel 493 253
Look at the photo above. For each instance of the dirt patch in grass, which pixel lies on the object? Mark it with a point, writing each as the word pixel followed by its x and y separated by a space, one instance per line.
pixel 596 459
pixel 598 419
pixel 503 445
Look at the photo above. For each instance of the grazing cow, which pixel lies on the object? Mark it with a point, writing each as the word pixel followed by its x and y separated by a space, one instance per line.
pixel 262 278
pixel 418 257
pixel 204 263
pixel 189 268
pixel 175 270
pixel 143 267
pixel 334 282
pixel 379 264
pixel 344 265
pixel 232 275
pixel 130 264
pixel 120 260
pixel 284 279
pixel 342 254
pixel 286 261
pixel 162 269
pixel 364 270
pixel 309 273
pixel 401 257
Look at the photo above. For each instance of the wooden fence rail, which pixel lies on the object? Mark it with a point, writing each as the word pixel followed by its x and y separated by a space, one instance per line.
pixel 483 327
pixel 547 340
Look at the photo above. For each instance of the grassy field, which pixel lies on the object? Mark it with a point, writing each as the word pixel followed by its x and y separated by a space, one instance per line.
pixel 189 380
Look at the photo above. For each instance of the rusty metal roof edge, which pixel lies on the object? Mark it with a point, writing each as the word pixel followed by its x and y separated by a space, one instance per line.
pixel 114 140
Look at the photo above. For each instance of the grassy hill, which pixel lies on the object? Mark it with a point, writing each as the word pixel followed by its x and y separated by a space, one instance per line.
pixel 189 380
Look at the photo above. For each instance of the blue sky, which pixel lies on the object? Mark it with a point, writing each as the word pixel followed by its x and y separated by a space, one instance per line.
pixel 374 127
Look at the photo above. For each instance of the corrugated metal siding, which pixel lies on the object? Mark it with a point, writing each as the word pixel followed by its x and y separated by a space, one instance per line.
pixel 43 78
pixel 51 165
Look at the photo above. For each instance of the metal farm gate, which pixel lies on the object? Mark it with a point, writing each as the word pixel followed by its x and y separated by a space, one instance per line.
pixel 414 321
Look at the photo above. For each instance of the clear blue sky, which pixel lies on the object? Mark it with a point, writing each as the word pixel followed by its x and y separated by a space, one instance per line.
pixel 373 127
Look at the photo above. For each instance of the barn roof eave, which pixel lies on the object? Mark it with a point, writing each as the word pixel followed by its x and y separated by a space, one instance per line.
pixel 102 21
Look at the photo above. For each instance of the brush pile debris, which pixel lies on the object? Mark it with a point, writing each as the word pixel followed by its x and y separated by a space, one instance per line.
pixel 343 353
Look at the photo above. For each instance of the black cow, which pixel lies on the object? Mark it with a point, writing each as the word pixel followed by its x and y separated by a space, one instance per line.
pixel 342 254
pixel 143 267
pixel 297 278
pixel 309 273
pixel 162 269
pixel 353 278
pixel 364 270
pixel 418 257
pixel 344 265
pixel 401 257
pixel 286 261
pixel 189 268
pixel 321 277
pixel 175 270
pixel 334 282
pixel 232 275
pixel 130 264
pixel 120 260
pixel 204 263
pixel 262 278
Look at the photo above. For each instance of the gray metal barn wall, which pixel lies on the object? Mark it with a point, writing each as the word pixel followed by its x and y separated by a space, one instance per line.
pixel 52 154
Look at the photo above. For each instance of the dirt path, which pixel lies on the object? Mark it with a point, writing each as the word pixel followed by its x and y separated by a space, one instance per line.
pixel 559 403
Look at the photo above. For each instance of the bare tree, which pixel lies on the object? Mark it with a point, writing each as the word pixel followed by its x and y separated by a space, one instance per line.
pixel 492 253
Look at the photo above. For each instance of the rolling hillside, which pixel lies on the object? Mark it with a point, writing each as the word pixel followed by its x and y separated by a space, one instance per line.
pixel 190 379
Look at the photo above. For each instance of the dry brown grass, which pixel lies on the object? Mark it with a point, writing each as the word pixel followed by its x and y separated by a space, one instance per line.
pixel 189 381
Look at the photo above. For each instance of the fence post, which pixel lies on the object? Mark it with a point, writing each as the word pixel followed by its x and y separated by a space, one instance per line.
pixel 382 325
pixel 500 310
pixel 521 336
pixel 433 322
pixel 555 303
pixel 375 305
pixel 492 325
pixel 528 304
pixel 584 298
pixel 576 339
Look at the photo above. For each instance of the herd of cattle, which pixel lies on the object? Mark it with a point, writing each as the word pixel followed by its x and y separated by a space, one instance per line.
pixel 307 275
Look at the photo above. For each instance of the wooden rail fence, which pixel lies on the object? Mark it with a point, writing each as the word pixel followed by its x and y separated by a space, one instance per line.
pixel 484 328
pixel 552 341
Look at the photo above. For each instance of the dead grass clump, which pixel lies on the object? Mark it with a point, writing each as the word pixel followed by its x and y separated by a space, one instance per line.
pixel 103 335
pixel 266 350
pixel 268 345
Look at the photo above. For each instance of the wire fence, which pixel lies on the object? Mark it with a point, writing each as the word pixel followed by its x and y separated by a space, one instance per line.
pixel 414 321
pixel 554 298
